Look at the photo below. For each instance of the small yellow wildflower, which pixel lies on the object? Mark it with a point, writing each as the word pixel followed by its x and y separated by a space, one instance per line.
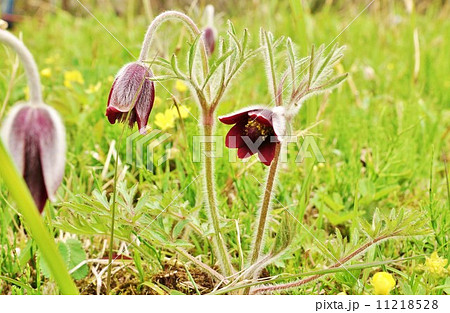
pixel 184 111
pixel 46 72
pixel 390 66
pixel 93 88
pixel 180 86
pixel 110 79
pixel 383 283
pixel 72 77
pixel 165 120
pixel 435 264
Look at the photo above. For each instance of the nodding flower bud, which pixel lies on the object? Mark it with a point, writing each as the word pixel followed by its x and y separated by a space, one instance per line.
pixel 210 40
pixel 35 137
pixel 209 33
pixel 256 129
pixel 132 96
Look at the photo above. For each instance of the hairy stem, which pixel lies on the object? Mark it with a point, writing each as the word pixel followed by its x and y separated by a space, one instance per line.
pixel 28 62
pixel 169 15
pixel 264 211
pixel 223 256
pixel 338 264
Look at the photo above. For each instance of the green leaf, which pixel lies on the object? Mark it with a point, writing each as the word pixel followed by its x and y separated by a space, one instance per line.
pixel 216 65
pixel 231 27
pixel 333 83
pixel 73 254
pixel 179 227
pixel 175 68
pixel 77 255
pixel 291 59
pixel 339 218
pixel 191 56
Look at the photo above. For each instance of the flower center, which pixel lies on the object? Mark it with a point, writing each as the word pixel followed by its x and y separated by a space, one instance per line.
pixel 255 129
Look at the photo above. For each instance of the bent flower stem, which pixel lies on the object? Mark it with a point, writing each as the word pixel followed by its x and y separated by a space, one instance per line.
pixel 163 17
pixel 28 62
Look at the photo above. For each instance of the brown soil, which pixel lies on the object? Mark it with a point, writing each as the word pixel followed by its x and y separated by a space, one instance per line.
pixel 175 277
pixel 172 278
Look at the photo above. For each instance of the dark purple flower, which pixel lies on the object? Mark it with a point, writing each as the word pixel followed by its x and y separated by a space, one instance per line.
pixel 210 40
pixel 35 137
pixel 256 129
pixel 132 96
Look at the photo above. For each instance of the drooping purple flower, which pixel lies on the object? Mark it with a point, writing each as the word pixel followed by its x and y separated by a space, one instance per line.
pixel 35 137
pixel 257 130
pixel 210 39
pixel 132 96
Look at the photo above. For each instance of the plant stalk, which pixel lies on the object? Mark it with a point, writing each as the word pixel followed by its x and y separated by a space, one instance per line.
pixel 264 211
pixel 265 206
pixel 113 213
pixel 163 17
pixel 223 256
pixel 26 206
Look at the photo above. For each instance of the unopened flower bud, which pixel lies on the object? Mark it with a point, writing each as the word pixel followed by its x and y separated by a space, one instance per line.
pixel 132 96
pixel 210 40
pixel 35 137
pixel 209 32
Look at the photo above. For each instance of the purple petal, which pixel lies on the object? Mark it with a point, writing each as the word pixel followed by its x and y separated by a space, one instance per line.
pixel 33 174
pixel 245 152
pixel 14 133
pixel 127 87
pixel 234 136
pixel 210 42
pixel 267 152
pixel 113 115
pixel 52 141
pixel 235 117
pixel 35 137
pixel 145 102
pixel 262 116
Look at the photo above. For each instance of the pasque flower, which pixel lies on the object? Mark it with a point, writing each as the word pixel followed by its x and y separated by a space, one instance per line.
pixel 132 96
pixel 257 130
pixel 35 137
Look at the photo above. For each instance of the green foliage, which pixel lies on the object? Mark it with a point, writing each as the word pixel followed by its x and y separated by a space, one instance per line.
pixel 73 255
pixel 396 224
